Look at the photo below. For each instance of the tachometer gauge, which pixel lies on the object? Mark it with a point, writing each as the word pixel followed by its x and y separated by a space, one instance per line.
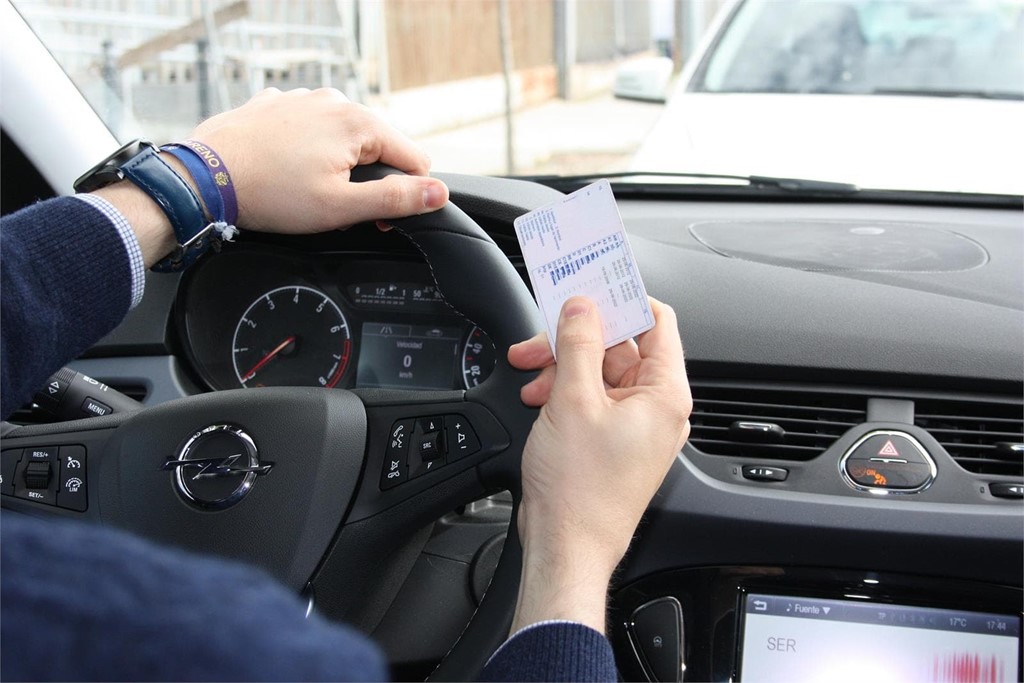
pixel 291 336
pixel 478 357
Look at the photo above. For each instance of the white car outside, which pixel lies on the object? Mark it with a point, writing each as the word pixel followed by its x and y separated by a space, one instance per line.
pixel 891 133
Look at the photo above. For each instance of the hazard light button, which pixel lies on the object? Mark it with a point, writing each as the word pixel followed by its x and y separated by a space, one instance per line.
pixel 887 461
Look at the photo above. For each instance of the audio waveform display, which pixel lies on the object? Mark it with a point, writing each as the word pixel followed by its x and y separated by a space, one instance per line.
pixel 964 667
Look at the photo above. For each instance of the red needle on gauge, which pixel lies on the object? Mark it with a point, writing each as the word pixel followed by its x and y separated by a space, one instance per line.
pixel 267 358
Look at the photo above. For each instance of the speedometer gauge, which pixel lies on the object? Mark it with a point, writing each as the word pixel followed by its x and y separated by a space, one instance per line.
pixel 478 357
pixel 291 336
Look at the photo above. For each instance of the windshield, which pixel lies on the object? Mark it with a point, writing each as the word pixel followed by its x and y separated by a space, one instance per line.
pixel 910 47
pixel 590 87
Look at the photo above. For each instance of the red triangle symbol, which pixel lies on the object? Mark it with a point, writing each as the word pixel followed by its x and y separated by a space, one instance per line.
pixel 889 449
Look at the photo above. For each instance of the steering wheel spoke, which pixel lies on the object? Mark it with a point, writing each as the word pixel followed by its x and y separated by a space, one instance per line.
pixel 53 469
pixel 416 441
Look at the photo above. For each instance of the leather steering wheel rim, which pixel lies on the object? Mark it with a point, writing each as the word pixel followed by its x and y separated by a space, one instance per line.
pixel 477 279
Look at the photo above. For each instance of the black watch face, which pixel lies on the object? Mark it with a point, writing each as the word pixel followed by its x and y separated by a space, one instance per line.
pixel 109 170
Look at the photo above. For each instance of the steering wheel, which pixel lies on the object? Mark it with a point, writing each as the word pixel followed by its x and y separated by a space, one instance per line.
pixel 302 481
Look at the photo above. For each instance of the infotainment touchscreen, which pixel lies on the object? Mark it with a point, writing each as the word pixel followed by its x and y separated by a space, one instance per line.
pixel 786 638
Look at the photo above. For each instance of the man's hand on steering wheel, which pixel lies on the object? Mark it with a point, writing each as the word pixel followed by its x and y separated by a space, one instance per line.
pixel 290 155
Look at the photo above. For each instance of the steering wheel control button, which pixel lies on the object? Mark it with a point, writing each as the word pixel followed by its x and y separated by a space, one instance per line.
pixel 34 475
pixel 398 441
pixel 423 466
pixel 888 462
pixel 396 459
pixel 92 407
pixel 50 396
pixel 765 473
pixel 43 453
pixel 71 487
pixel 394 473
pixel 37 475
pixel 462 440
pixel 1006 489
pixel 431 424
pixel 418 462
pixel 657 630
pixel 431 445
pixel 216 467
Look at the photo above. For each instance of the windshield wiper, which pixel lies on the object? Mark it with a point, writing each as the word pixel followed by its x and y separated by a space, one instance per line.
pixel 802 184
pixel 938 92
pixel 798 185
pixel 760 188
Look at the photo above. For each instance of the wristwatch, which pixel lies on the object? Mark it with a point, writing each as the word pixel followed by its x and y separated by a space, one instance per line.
pixel 139 161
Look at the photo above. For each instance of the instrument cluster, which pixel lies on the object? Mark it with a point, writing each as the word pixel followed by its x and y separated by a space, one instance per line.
pixel 257 316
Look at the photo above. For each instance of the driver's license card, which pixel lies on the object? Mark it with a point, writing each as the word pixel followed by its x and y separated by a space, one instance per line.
pixel 577 246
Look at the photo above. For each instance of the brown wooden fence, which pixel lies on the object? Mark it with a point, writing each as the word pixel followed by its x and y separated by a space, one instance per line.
pixel 432 41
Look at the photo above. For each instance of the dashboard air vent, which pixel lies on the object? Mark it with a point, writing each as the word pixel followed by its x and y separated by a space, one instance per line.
pixel 984 437
pixel 768 422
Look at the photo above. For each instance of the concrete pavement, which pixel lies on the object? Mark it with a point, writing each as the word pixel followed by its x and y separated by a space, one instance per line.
pixel 598 134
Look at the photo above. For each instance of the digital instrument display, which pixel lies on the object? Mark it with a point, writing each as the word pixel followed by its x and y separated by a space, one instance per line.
pixel 787 638
pixel 396 295
pixel 396 356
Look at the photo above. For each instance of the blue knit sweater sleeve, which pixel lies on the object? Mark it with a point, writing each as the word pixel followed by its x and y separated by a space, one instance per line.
pixel 553 651
pixel 82 603
pixel 114 607
pixel 64 283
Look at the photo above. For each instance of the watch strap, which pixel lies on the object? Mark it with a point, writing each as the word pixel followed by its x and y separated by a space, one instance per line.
pixel 174 196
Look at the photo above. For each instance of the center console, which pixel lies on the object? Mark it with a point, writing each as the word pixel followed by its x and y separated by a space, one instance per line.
pixel 789 624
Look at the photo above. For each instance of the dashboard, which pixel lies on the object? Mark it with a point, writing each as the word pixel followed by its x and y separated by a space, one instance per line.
pixel 829 325
pixel 813 330
pixel 257 317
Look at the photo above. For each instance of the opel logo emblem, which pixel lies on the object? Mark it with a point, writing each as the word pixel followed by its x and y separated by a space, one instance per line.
pixel 216 467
